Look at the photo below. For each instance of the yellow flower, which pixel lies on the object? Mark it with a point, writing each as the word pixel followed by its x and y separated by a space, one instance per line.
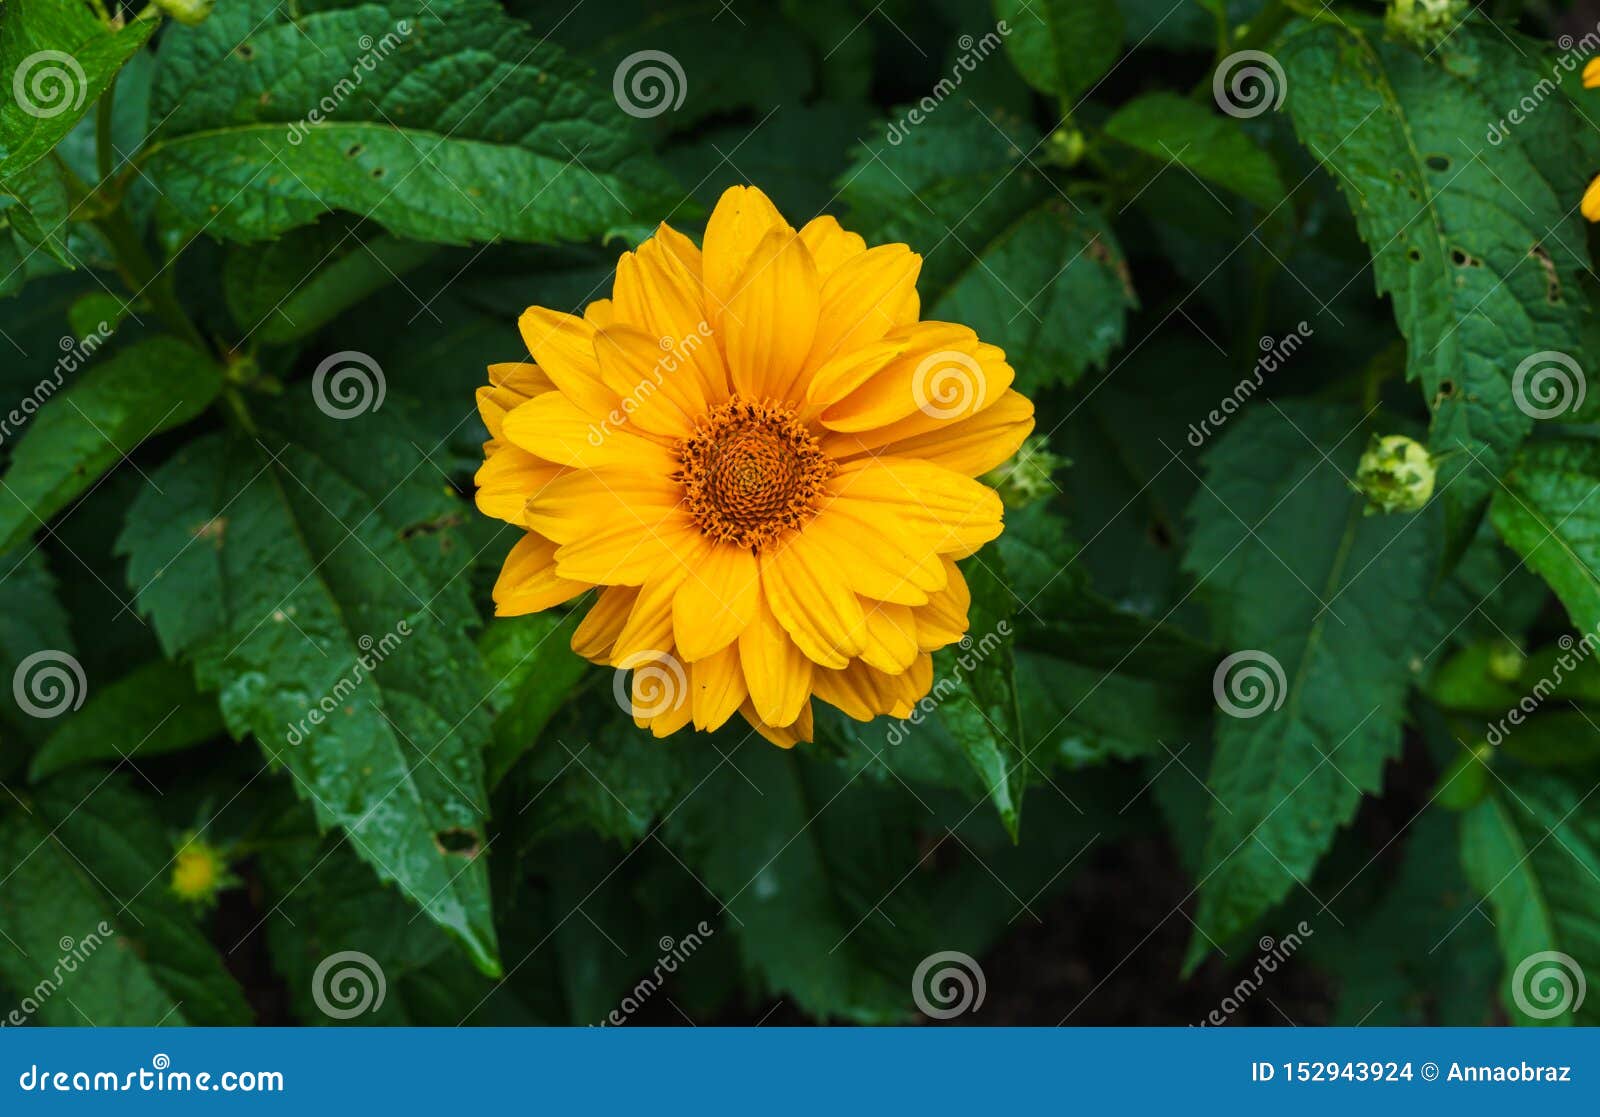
pixel 199 872
pixel 763 460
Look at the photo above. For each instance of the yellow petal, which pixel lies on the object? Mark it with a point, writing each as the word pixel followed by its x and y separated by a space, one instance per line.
pixel 743 216
pixel 510 384
pixel 839 377
pixel 718 689
pixel 786 736
pixel 829 244
pixel 648 633
pixel 973 445
pixel 658 391
pixel 948 375
pixel 626 554
pixel 528 581
pixel 563 345
pixel 870 565
pixel 581 502
pixel 943 620
pixel 812 600
pixel 925 508
pixel 1591 201
pixel 654 291
pixel 597 633
pixel 558 430
pixel 771 317
pixel 1591 74
pixel 864 299
pixel 507 478
pixel 777 674
pixel 669 242
pixel 717 600
pixel 891 643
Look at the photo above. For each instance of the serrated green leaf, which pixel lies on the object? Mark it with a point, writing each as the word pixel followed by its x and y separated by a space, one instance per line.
pixel 1323 601
pixel 1481 251
pixel 31 621
pixel 1003 251
pixel 152 710
pixel 530 662
pixel 449 122
pixel 313 583
pixel 1061 47
pixel 1174 129
pixel 1548 511
pixel 1531 849
pixel 88 930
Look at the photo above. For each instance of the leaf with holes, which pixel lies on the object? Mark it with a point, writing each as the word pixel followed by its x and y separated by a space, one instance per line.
pixel 314 584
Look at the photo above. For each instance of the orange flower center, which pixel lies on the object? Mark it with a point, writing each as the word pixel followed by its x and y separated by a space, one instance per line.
pixel 752 472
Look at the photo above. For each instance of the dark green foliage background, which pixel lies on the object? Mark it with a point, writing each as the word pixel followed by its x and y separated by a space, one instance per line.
pixel 478 816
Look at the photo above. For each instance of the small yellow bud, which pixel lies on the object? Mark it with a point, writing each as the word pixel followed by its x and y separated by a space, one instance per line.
pixel 1395 474
pixel 200 872
pixel 1066 146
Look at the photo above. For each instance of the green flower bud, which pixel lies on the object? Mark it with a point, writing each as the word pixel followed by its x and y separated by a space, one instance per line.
pixel 189 12
pixel 1424 23
pixel 1505 662
pixel 1066 146
pixel 1025 478
pixel 1395 475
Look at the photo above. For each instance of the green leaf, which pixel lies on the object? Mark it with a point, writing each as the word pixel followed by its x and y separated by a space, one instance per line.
pixel 1548 512
pixel 1481 252
pixel 148 388
pixel 31 620
pixel 36 205
pixel 1557 739
pixel 1174 129
pixel 445 122
pixel 1003 251
pixel 975 689
pixel 299 283
pixel 58 58
pixel 534 669
pixel 88 931
pixel 1531 849
pixel 313 583
pixel 1077 716
pixel 1061 47
pixel 1321 602
pixel 154 709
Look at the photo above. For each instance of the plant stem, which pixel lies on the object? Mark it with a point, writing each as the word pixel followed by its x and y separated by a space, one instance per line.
pixel 102 130
pixel 142 276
